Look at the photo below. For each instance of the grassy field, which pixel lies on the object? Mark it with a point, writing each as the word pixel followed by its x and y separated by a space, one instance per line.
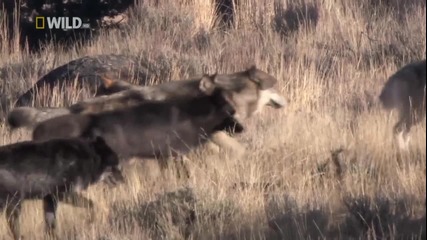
pixel 331 65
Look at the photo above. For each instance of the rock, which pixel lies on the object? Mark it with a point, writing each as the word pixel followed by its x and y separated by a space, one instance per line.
pixel 86 72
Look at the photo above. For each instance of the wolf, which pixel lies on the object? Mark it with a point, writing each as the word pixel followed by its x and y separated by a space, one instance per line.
pixel 254 90
pixel 405 91
pixel 54 170
pixel 250 90
pixel 153 129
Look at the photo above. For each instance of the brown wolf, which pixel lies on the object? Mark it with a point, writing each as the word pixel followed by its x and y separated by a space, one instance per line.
pixel 53 170
pixel 250 90
pixel 153 129
pixel 253 89
pixel 405 91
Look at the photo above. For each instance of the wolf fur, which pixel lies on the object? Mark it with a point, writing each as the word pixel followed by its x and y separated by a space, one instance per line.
pixel 53 170
pixel 151 129
pixel 28 116
pixel 405 91
pixel 250 90
pixel 154 129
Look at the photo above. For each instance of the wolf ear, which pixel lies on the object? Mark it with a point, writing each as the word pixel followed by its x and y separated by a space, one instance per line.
pixel 207 84
pixel 99 142
pixel 263 79
pixel 107 82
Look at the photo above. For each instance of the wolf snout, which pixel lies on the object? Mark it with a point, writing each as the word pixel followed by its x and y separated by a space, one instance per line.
pixel 276 101
pixel 276 104
pixel 113 177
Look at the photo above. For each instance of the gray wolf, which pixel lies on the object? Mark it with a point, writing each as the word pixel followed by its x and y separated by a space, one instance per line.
pixel 250 90
pixel 153 129
pixel 255 87
pixel 253 90
pixel 150 128
pixel 54 170
pixel 405 91
pixel 86 72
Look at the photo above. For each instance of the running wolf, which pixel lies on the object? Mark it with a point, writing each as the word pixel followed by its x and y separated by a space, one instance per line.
pixel 253 87
pixel 405 91
pixel 54 170
pixel 153 129
pixel 249 90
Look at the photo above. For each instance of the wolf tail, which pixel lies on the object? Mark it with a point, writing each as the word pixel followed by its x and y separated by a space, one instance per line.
pixel 29 117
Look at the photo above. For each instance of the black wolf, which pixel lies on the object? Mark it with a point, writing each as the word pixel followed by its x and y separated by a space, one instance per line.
pixel 405 91
pixel 154 129
pixel 151 129
pixel 53 170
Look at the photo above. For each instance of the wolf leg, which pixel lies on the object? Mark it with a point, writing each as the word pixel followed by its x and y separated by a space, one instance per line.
pixel 401 133
pixel 224 141
pixel 13 210
pixel 163 165
pixel 77 200
pixel 403 140
pixel 180 164
pixel 211 146
pixel 402 128
pixel 182 167
pixel 220 137
pixel 50 205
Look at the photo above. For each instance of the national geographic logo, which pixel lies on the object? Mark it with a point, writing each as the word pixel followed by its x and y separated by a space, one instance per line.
pixel 64 23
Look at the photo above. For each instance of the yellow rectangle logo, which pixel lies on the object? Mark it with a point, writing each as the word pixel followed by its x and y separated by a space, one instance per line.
pixel 40 22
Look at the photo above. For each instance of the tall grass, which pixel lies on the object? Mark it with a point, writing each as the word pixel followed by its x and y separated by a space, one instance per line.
pixel 331 65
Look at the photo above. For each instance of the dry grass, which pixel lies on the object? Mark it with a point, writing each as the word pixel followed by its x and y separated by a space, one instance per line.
pixel 330 65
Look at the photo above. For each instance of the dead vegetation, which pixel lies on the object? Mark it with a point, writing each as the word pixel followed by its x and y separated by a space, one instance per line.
pixel 325 168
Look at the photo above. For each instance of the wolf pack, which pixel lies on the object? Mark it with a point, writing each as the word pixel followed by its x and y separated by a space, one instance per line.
pixel 90 141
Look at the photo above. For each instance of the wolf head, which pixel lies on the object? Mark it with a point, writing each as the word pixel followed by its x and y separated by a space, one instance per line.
pixel 111 173
pixel 249 91
pixel 109 86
